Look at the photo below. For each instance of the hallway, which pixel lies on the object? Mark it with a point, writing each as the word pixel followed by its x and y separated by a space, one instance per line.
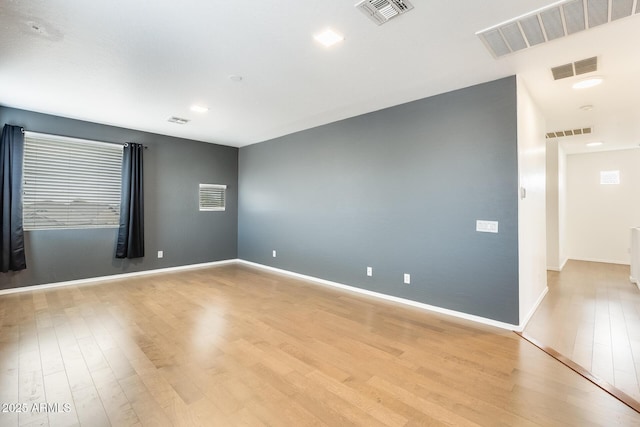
pixel 592 316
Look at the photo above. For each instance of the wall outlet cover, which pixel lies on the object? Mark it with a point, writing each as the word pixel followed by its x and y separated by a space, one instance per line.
pixel 486 226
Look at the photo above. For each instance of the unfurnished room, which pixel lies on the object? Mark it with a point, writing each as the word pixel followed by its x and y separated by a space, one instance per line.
pixel 327 213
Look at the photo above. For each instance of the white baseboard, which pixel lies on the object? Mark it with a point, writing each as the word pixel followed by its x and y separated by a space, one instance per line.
pixel 523 324
pixel 605 261
pixel 115 277
pixel 562 264
pixel 404 301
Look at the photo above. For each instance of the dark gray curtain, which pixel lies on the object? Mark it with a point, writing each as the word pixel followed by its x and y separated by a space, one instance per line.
pixel 131 233
pixel 12 234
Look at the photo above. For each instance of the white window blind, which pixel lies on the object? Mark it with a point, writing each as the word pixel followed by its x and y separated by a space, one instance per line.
pixel 212 197
pixel 70 183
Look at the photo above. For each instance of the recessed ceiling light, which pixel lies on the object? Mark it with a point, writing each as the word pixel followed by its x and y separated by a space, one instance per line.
pixel 199 108
pixel 328 37
pixel 588 82
pixel 594 144
pixel 235 78
pixel 586 107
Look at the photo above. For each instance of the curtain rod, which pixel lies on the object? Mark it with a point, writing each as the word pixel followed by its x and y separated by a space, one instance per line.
pixel 127 143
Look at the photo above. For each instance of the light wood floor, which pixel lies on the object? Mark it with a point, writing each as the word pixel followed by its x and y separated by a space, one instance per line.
pixel 237 346
pixel 592 316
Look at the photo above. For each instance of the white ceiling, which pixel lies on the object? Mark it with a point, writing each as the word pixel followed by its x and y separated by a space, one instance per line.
pixel 136 63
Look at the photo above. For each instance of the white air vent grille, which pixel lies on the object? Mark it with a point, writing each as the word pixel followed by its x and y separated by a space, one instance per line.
pixel 557 20
pixel 621 9
pixel 575 69
pixel 569 132
pixel 532 30
pixel 574 16
pixel 381 11
pixel 598 12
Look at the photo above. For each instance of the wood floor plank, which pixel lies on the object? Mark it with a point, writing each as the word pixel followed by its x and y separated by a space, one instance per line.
pixel 115 403
pixel 58 392
pixel 324 405
pixel 348 394
pixel 435 411
pixel 49 351
pixel 583 348
pixel 147 409
pixel 31 380
pixel 89 407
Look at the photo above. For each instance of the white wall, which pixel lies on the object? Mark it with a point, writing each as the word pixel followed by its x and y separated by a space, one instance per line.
pixel 599 217
pixel 553 209
pixel 556 206
pixel 532 245
pixel 562 207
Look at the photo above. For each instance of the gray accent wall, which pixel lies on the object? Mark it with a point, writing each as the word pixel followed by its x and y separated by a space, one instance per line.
pixel 398 190
pixel 173 168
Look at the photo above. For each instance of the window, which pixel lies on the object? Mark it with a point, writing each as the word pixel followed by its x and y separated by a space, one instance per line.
pixel 212 197
pixel 70 183
pixel 609 177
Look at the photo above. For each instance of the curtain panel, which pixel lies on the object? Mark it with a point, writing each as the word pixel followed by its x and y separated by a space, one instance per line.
pixel 131 232
pixel 12 256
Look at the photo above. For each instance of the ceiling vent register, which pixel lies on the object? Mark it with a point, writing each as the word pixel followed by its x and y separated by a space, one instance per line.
pixel 557 20
pixel 569 132
pixel 575 69
pixel 381 11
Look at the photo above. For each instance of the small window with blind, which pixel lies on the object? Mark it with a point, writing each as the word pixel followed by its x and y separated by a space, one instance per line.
pixel 70 183
pixel 212 197
pixel 609 177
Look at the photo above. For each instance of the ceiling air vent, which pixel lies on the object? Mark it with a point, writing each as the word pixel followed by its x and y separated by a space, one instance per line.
pixel 380 11
pixel 569 132
pixel 178 120
pixel 575 69
pixel 562 71
pixel 586 65
pixel 557 20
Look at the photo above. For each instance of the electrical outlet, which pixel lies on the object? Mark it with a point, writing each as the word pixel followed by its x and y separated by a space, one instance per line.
pixel 407 279
pixel 369 271
pixel 160 254
pixel 274 253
